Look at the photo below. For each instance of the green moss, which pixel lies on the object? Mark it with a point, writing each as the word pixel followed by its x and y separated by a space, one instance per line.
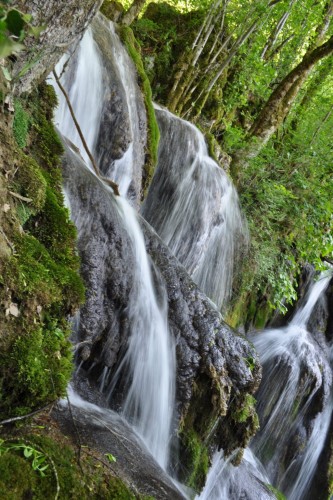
pixel 20 485
pixel 31 181
pixel 246 410
pixel 153 130
pixel 40 277
pixel 196 459
pixel 276 492
pixel 88 479
pixel 20 124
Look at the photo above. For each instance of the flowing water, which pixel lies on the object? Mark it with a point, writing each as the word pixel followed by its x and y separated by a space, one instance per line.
pixel 194 207
pixel 149 363
pixel 295 408
pixel 81 76
pixel 87 83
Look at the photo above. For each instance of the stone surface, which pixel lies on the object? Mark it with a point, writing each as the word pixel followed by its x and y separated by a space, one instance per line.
pixel 65 22
pixel 212 360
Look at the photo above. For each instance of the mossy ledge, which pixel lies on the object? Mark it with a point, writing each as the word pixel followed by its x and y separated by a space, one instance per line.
pixel 39 281
pixel 153 133
pixel 39 461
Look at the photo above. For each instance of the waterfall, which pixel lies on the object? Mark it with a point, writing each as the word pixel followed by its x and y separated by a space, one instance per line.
pixel 194 207
pixel 92 74
pixel 295 407
pixel 149 362
pixel 227 482
pixel 147 370
pixel 83 83
pixel 296 380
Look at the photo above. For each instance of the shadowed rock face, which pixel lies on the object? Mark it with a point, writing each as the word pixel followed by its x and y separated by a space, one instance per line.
pixel 106 431
pixel 210 356
pixel 64 21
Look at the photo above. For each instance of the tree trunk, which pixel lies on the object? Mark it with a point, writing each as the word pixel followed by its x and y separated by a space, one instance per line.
pixel 278 106
pixel 132 13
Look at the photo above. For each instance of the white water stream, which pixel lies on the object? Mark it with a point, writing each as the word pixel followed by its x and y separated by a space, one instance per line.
pixel 294 367
pixel 201 192
pixel 149 362
pixel 193 206
pixel 84 85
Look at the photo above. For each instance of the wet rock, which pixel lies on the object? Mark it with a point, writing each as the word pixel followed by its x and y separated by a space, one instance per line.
pixel 65 22
pixel 105 431
pixel 214 363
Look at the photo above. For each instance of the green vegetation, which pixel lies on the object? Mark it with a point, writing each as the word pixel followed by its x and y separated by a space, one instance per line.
pixel 257 81
pixel 277 493
pixel 196 457
pixel 35 465
pixel 153 131
pixel 39 281
pixel 20 125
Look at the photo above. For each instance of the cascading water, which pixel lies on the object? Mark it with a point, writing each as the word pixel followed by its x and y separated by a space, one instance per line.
pixel 295 389
pixel 89 88
pixel 149 361
pixel 147 370
pixel 194 207
pixel 295 408
pixel 83 83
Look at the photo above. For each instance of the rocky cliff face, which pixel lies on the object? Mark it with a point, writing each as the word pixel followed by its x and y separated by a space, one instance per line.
pixel 217 370
pixel 64 21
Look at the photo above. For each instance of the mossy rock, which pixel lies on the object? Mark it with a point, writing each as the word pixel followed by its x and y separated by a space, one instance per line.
pixel 39 281
pixel 60 472
pixel 153 133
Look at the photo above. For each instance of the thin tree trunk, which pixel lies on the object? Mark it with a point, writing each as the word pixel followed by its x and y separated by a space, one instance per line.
pixel 279 27
pixel 322 123
pixel 132 13
pixel 278 106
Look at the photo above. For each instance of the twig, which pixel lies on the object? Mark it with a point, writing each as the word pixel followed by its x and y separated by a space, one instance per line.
pixel 20 197
pixel 90 156
pixel 21 417
pixel 7 240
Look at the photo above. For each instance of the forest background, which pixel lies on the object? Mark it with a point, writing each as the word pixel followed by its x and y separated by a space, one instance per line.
pixel 256 77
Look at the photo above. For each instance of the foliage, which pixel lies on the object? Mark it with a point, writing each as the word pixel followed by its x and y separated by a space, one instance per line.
pixel 20 125
pixel 39 281
pixel 29 452
pixel 24 456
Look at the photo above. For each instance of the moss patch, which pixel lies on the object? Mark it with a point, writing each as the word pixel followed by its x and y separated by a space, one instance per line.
pixel 39 282
pixel 58 467
pixel 153 135
pixel 196 457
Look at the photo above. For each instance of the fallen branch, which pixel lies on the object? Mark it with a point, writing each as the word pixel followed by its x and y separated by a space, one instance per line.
pixel 87 150
pixel 20 197
pixel 21 417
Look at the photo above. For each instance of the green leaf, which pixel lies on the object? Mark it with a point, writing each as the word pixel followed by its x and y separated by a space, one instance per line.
pixel 8 46
pixel 27 451
pixel 6 74
pixel 110 457
pixel 36 30
pixel 15 22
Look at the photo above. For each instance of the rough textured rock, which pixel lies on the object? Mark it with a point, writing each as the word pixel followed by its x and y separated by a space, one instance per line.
pixel 64 21
pixel 106 432
pixel 214 364
pixel 117 133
